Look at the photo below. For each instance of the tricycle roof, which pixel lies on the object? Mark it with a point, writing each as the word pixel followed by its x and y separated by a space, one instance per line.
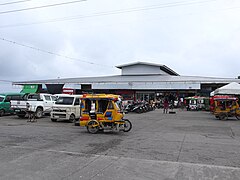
pixel 101 96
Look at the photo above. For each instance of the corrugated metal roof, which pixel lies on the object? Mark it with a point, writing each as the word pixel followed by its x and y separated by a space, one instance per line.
pixel 138 62
pixel 132 78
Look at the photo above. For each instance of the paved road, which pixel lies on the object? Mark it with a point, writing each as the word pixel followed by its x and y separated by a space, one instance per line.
pixel 185 145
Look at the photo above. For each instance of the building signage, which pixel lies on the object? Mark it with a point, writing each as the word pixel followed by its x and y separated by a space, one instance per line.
pixel 68 91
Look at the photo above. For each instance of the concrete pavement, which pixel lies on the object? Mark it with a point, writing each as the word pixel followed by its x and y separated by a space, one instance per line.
pixel 186 145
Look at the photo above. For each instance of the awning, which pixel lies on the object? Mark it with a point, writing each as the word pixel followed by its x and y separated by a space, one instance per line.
pixel 230 89
pixel 30 88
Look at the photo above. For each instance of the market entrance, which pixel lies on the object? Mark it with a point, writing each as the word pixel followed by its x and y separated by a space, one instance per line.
pixel 145 96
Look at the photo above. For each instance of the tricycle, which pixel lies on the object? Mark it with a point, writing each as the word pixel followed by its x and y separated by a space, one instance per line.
pixel 197 103
pixel 103 112
pixel 225 107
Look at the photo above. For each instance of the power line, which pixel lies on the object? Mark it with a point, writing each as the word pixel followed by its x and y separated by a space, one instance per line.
pixel 53 53
pixel 5 83
pixel 15 2
pixel 121 11
pixel 2 80
pixel 39 7
pixel 179 3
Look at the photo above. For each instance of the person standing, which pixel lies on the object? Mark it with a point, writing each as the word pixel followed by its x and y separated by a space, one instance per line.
pixel 165 105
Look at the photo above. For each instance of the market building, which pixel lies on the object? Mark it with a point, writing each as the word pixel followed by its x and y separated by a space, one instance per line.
pixel 138 81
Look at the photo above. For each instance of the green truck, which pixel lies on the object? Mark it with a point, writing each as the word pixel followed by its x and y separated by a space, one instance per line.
pixel 5 105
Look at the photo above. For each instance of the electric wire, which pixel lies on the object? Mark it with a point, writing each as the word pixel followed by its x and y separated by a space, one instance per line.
pixel 53 53
pixel 121 11
pixel 5 83
pixel 15 2
pixel 3 80
pixel 40 7
pixel 163 5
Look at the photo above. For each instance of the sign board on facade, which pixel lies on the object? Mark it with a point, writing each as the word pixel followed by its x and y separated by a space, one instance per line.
pixel 68 91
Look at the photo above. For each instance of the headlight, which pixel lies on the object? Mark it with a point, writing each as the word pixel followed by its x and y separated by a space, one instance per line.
pixel 68 110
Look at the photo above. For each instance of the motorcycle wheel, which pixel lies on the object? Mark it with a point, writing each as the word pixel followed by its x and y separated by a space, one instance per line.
pixel 223 116
pixel 127 125
pixel 138 111
pixel 92 128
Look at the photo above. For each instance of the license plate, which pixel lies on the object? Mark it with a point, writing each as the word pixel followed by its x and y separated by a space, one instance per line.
pixel 17 110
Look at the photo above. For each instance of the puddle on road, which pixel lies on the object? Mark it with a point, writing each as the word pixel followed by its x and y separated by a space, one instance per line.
pixel 102 147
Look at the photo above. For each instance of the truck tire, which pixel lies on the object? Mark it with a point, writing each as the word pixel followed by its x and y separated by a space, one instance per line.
pixel 2 112
pixel 72 118
pixel 39 112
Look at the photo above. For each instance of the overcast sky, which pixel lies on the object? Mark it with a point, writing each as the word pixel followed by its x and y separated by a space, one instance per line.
pixel 192 37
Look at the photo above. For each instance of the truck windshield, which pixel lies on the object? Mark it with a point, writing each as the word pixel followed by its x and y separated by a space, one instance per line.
pixel 1 98
pixel 65 100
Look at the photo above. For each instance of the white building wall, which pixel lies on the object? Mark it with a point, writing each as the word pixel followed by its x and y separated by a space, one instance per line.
pixel 166 85
pixel 142 70
pixel 148 86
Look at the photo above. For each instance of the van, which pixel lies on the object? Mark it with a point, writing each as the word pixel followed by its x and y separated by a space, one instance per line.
pixel 5 105
pixel 66 107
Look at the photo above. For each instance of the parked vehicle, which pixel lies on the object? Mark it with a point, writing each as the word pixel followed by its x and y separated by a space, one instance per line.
pixel 196 103
pixel 140 107
pixel 5 106
pixel 58 95
pixel 212 103
pixel 129 108
pixel 226 107
pixel 66 107
pixel 101 112
pixel 37 103
pixel 192 104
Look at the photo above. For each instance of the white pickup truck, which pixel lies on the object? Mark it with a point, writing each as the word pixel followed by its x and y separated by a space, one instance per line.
pixel 39 103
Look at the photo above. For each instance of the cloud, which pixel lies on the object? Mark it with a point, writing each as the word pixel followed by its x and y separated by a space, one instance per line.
pixel 198 39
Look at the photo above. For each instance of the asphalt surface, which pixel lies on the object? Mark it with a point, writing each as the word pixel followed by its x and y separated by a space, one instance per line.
pixel 185 145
